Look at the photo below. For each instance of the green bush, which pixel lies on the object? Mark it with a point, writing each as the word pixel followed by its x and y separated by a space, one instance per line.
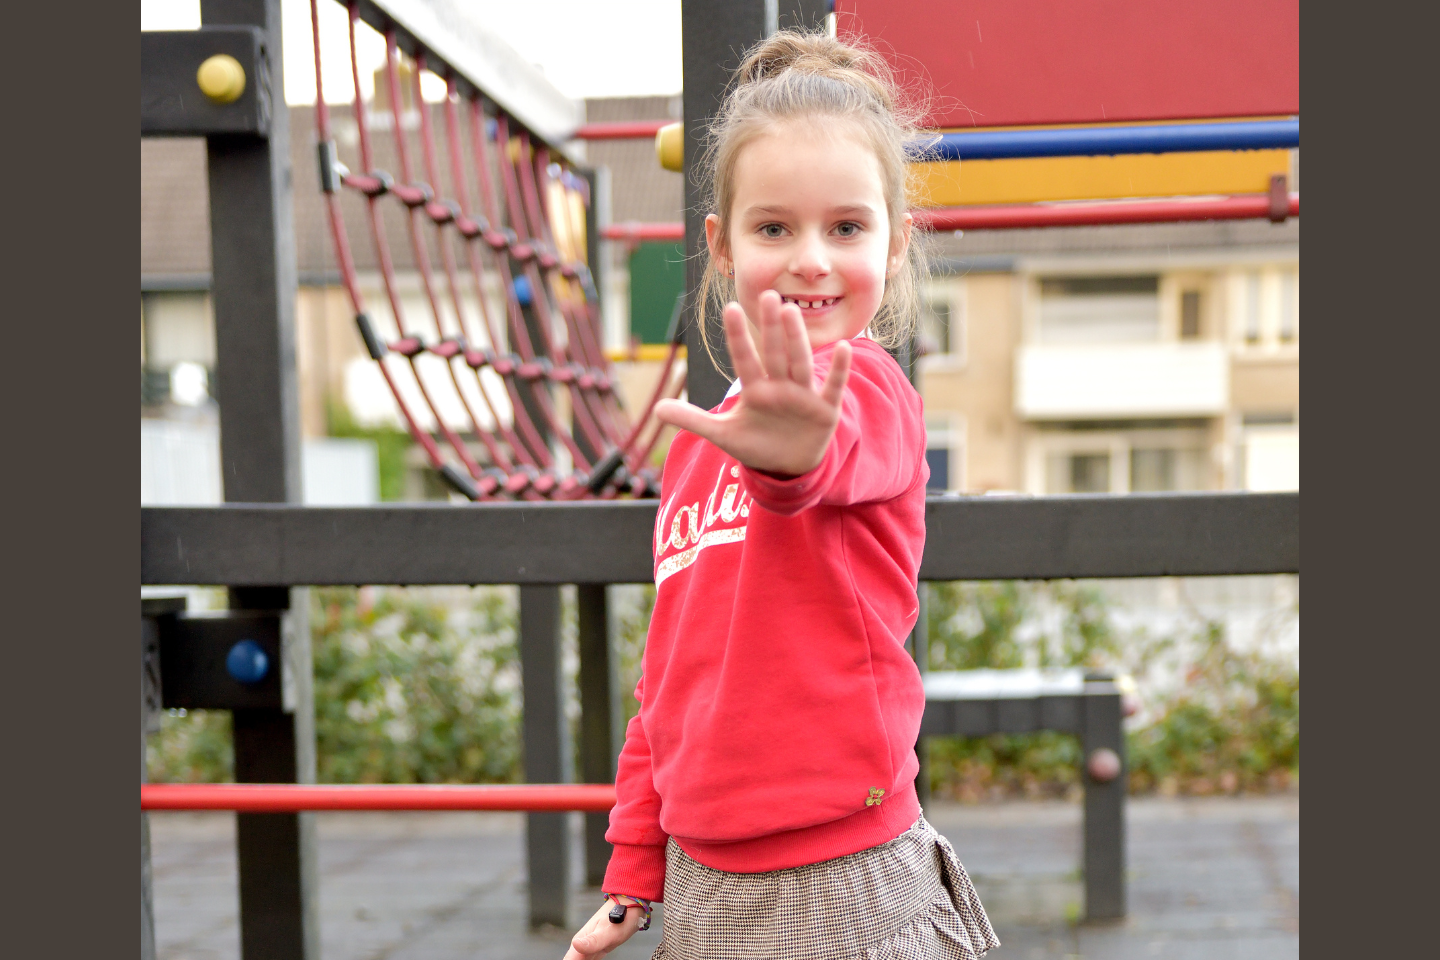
pixel 411 689
pixel 1233 725
pixel 192 746
pixel 390 444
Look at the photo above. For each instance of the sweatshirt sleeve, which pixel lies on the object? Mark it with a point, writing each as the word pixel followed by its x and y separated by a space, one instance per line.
pixel 637 864
pixel 878 448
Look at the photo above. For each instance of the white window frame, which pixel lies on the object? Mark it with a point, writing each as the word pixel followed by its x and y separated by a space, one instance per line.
pixel 1117 443
pixel 955 291
pixel 1243 297
pixel 948 431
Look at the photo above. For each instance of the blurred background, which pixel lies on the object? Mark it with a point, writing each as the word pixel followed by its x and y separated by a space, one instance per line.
pixel 1029 345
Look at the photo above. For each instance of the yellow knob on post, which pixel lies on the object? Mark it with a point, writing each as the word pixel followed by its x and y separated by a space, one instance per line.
pixel 221 78
pixel 670 147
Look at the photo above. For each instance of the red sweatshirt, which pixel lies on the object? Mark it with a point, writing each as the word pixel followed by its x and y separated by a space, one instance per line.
pixel 779 708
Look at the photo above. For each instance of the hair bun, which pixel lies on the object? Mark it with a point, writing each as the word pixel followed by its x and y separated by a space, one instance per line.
pixel 819 55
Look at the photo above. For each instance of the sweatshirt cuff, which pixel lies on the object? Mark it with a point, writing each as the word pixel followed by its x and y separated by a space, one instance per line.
pixel 636 871
pixel 790 495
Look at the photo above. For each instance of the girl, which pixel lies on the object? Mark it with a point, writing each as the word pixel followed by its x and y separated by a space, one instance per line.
pixel 766 790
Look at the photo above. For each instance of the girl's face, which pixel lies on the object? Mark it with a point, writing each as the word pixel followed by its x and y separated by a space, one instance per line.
pixel 809 221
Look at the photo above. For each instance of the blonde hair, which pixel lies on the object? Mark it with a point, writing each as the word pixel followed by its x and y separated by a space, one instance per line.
pixel 797 75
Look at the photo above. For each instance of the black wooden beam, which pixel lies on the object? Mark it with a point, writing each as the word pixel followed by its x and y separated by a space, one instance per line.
pixel 968 538
pixel 1138 535
pixel 171 104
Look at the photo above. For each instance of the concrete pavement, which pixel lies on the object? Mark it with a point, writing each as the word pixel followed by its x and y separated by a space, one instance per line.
pixel 1216 878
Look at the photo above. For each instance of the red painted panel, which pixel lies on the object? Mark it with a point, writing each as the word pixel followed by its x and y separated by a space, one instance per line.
pixel 1011 62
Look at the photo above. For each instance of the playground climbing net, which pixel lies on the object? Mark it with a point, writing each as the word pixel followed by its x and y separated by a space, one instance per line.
pixel 526 236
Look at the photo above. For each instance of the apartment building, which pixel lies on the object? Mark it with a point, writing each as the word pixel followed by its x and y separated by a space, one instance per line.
pixel 1115 359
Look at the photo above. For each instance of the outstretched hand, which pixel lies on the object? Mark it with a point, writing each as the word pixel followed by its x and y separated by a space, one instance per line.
pixel 781 422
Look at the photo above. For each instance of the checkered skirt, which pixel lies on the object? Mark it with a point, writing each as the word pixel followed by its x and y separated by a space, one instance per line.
pixel 909 899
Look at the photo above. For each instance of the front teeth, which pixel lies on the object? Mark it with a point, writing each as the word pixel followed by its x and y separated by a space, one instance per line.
pixel 808 304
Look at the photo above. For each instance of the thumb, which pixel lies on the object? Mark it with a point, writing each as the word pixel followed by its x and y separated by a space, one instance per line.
pixel 686 416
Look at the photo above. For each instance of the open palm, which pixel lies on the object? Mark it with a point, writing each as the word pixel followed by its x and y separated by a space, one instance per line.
pixel 781 422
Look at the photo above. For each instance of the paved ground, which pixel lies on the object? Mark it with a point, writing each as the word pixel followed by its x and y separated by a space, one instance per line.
pixel 1214 878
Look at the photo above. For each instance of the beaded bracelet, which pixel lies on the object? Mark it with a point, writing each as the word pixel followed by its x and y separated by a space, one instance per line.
pixel 622 902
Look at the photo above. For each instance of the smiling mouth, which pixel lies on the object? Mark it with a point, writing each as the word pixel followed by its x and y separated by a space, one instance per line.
pixel 810 304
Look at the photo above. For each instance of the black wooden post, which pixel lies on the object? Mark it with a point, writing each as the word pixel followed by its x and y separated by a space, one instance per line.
pixel 920 650
pixel 150 705
pixel 547 752
pixel 254 286
pixel 1104 805
pixel 602 727
pixel 804 14
pixel 714 34
pixel 597 215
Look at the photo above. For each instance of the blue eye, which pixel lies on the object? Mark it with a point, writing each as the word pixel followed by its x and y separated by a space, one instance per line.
pixel 772 230
pixel 848 229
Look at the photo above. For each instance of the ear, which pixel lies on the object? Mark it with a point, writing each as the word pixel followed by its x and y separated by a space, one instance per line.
pixel 716 242
pixel 899 244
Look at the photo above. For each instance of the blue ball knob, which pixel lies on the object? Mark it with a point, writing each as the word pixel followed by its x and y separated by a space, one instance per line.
pixel 522 291
pixel 247 662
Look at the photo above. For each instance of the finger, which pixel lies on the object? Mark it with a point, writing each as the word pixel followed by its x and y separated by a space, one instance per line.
pixel 772 337
pixel 585 945
pixel 833 389
pixel 742 347
pixel 689 417
pixel 797 346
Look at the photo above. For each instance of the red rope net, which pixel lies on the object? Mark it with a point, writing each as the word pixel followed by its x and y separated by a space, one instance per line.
pixel 528 236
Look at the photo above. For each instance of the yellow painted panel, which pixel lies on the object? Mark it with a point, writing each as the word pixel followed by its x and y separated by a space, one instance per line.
pixel 643 353
pixel 1037 179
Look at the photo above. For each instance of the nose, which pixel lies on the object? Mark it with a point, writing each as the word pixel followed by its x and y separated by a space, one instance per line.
pixel 811 258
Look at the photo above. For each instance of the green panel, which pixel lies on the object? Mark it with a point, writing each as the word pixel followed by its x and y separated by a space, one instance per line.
pixel 657 278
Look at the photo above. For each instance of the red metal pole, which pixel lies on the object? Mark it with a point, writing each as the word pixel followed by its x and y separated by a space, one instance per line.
pixel 1098 213
pixel 1256 207
pixel 629 130
pixel 644 231
pixel 293 797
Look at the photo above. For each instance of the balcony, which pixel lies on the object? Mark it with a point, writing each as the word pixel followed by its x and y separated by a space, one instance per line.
pixel 1121 380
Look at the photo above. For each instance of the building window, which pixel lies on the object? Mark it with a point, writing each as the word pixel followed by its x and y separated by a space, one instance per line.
pixel 1190 315
pixel 938 459
pixel 935 326
pixel 1289 305
pixel 1165 469
pixel 1120 457
pixel 1089 472
pixel 945 453
pixel 942 322
pixel 1252 307
pixel 177 351
pixel 1269 454
pixel 1099 309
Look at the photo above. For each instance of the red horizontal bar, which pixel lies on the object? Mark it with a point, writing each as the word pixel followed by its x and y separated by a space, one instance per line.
pixel 644 231
pixel 1100 213
pixel 295 797
pixel 629 130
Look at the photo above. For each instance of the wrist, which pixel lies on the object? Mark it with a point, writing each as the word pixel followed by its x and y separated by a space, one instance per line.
pixel 624 904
